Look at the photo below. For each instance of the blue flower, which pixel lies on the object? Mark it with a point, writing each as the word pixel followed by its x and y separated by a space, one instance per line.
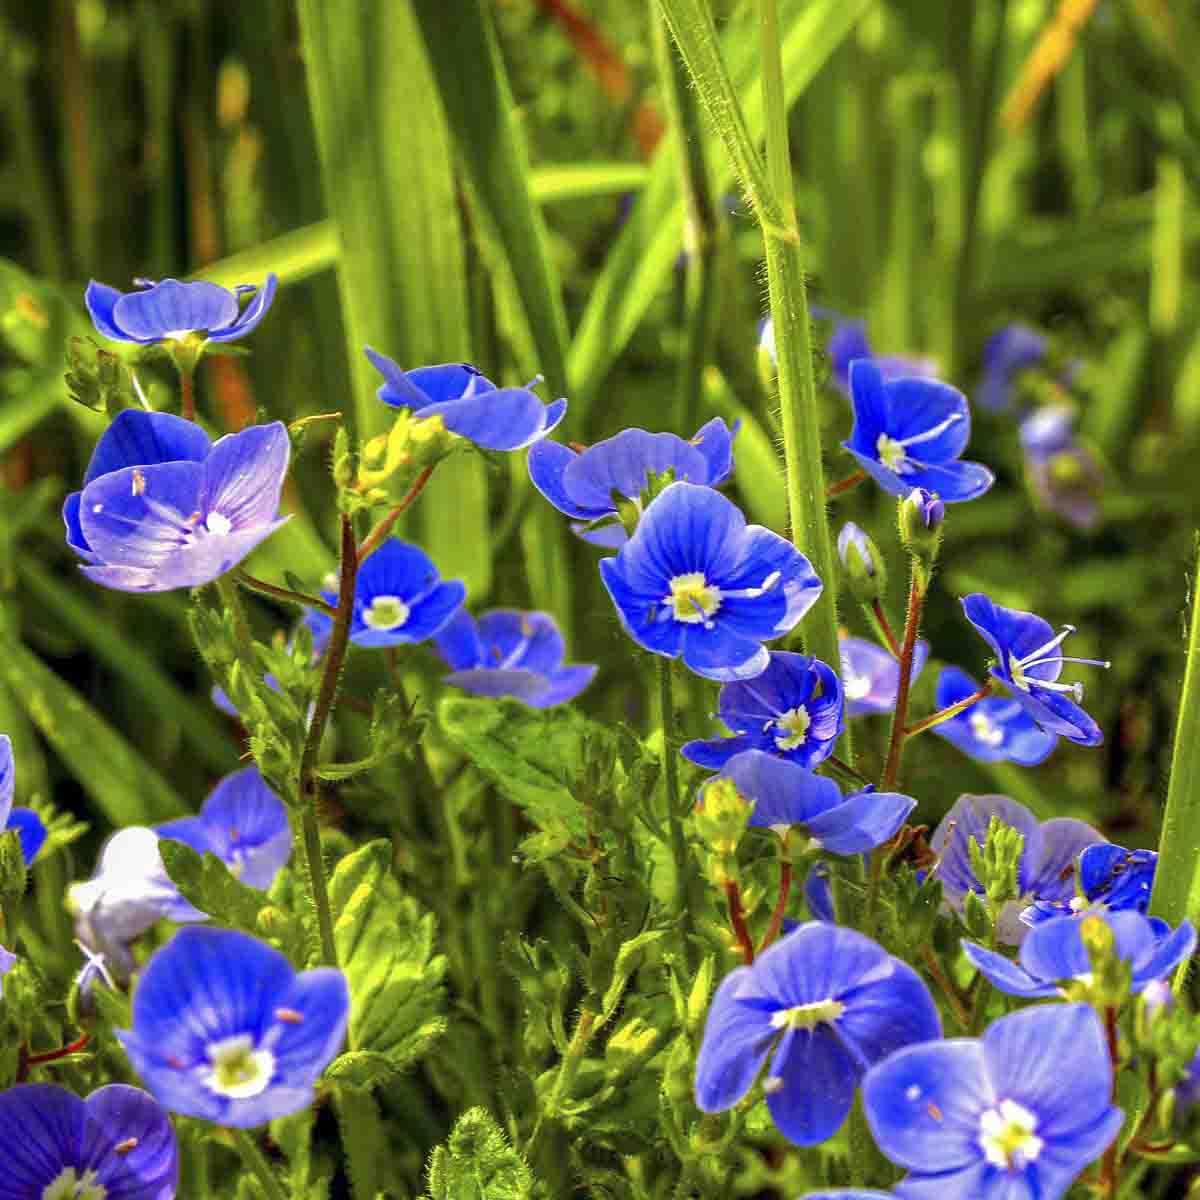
pixel 822 1005
pixel 1054 954
pixel 1045 870
pixel 118 1143
pixel 224 1029
pixel 1110 879
pixel 582 485
pixel 469 404
pixel 793 709
pixel 695 580
pixel 1029 662
pixel 162 508
pixel 399 599
pixel 871 675
pixel 1016 1114
pixel 992 729
pixel 818 893
pixel 244 823
pixel 24 821
pixel 924 416
pixel 171 310
pixel 511 653
pixel 848 1194
pixel 1064 475
pixel 1007 353
pixel 787 795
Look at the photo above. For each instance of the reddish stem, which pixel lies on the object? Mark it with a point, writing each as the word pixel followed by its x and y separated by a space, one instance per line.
pixel 844 485
pixel 912 622
pixel 737 918
pixel 785 888
pixel 886 626
pixel 944 714
pixel 36 1060
pixel 373 539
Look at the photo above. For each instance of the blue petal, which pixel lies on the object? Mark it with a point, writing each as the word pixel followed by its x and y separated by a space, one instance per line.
pixel 818 894
pixel 870 409
pixel 192 831
pixel 244 474
pixel 512 638
pixel 863 821
pixel 137 438
pixel 1055 713
pixel 171 308
pixel 847 342
pixel 764 554
pixel 433 611
pixel 916 407
pixel 8 778
pixel 638 611
pixel 887 479
pixel 969 818
pixel 397 390
pixel 863 660
pixel 783 792
pixel 304 1048
pixel 952 481
pixel 42 1125
pixel 458 642
pixel 248 827
pixel 715 442
pixel 1005 975
pixel 1176 948
pixel 722 655
pixel 251 315
pixel 75 538
pixel 100 298
pixel 1063 840
pixel 924 1104
pixel 565 683
pixel 788 682
pixel 811 1085
pixel 30 830
pixel 397 568
pixel 819 962
pixel 611 535
pixel 1006 353
pixel 504 419
pixel 147 1167
pixel 887 1011
pixel 1011 632
pixel 547 462
pixel 450 381
pixel 737 1038
pixel 953 685
pixel 623 463
pixel 714 753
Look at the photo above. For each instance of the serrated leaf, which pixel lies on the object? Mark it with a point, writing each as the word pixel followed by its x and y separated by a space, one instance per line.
pixel 477 1161
pixel 207 883
pixel 385 945
pixel 359 1069
pixel 629 959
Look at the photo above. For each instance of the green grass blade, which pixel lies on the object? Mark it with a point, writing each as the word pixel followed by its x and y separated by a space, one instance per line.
pixel 126 788
pixel 292 256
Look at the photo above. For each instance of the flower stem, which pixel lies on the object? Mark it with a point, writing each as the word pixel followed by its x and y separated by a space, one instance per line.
pixel 884 626
pixel 269 589
pixel 307 788
pixel 187 391
pixel 1176 891
pixel 373 539
pixel 737 920
pixel 675 814
pixel 912 623
pixel 953 997
pixel 846 769
pixel 242 635
pixel 785 890
pixel 1109 1174
pixel 567 1070
pixel 256 1163
pixel 35 1060
pixel 844 485
pixel 952 710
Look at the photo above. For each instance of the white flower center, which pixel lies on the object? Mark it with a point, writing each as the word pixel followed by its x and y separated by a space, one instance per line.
pixel 693 599
pixel 386 612
pixel 1007 1137
pixel 218 523
pixel 855 687
pixel 807 1016
pixel 238 1070
pixel 794 725
pixel 68 1185
pixel 891 453
pixel 985 729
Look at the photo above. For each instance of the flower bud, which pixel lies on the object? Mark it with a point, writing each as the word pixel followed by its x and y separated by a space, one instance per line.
pixel 921 516
pixel 863 564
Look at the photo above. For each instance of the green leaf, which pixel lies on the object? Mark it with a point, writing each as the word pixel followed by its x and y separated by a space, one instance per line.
pixel 126 788
pixel 629 959
pixel 293 256
pixel 360 1070
pixel 385 945
pixel 478 1162
pixel 206 883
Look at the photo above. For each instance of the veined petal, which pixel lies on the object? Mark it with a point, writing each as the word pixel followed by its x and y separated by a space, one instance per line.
pixel 503 419
pixel 458 642
pixel 251 315
pixel 547 463
pixel 450 381
pixel 715 442
pixel 397 389
pixel 861 822
pixel 811 1085
pixel 100 299
pixel 623 464
pixel 953 481
pixel 737 1039
pixel 917 407
pixel 137 438
pixel 147 1166
pixel 783 792
pixel 870 408
pixel 170 308
pixel 244 474
pixel 1006 975
pixel 1064 839
pixel 8 778
pixel 521 639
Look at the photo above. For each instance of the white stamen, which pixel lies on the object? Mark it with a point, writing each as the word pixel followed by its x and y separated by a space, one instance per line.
pixel 386 612
pixel 693 600
pixel 218 523
pixel 808 1016
pixel 238 1070
pixel 1007 1138
pixel 794 723
pixel 929 434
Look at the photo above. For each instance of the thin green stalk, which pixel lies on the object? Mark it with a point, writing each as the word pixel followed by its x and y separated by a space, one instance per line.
pixel 307 785
pixel 243 638
pixel 280 593
pixel 567 1070
pixel 256 1163
pixel 1177 877
pixel 675 816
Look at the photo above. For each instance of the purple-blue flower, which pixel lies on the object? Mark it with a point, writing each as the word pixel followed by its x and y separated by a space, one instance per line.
pixel 469 404
pixel 1110 879
pixel 786 796
pixel 244 823
pixel 818 893
pixel 821 1006
pixel 1014 1115
pixel 1029 662
pixel 172 310
pixel 511 653
pixel 1054 954
pixel 1007 353
pixel 1045 870
pixel 224 1029
pixel 163 508
pixel 793 710
pixel 871 675
pixel 24 821
pixel 1064 475
pixel 582 484
pixel 994 729
pixel 909 433
pixel 118 1143
pixel 851 539
pixel 399 599
pixel 696 581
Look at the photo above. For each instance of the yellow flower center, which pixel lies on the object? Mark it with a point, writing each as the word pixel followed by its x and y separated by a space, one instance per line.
pixel 693 599
pixel 238 1070
pixel 794 726
pixel 808 1016
pixel 1007 1138
pixel 891 452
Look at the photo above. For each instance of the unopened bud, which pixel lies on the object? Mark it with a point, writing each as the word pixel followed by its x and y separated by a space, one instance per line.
pixel 921 517
pixel 863 564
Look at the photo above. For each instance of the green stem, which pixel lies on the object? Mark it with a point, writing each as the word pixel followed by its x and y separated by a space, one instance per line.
pixel 278 593
pixel 308 784
pixel 1175 893
pixel 883 627
pixel 675 813
pixel 243 638
pixel 256 1163
pixel 567 1070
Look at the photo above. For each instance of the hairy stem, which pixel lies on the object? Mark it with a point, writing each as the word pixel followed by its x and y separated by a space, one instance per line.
pixel 278 593
pixel 912 624
pixel 675 813
pixel 373 539
pixel 952 710
pixel 737 920
pixel 256 1163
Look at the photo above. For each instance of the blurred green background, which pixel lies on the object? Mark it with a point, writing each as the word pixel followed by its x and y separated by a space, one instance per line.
pixel 503 182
